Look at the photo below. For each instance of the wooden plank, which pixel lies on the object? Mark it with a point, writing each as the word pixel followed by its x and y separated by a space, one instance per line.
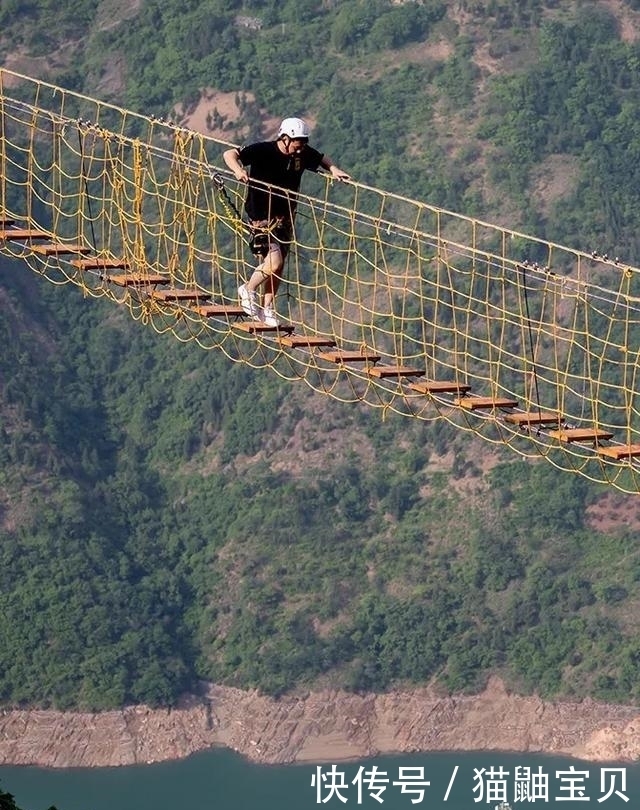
pixel 24 233
pixel 620 451
pixel 569 435
pixel 394 371
pixel 439 387
pixel 181 295
pixel 485 403
pixel 60 249
pixel 226 310
pixel 137 279
pixel 533 418
pixel 257 327
pixel 306 341
pixel 97 263
pixel 349 357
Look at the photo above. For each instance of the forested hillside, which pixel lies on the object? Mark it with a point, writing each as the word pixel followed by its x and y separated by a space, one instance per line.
pixel 169 517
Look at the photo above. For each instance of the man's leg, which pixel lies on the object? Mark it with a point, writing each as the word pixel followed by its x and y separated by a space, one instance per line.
pixel 282 241
pixel 271 288
pixel 269 273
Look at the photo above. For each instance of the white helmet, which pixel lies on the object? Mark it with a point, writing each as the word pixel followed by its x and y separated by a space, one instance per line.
pixel 294 128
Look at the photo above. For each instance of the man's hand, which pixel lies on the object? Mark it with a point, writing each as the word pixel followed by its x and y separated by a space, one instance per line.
pixel 338 174
pixel 232 158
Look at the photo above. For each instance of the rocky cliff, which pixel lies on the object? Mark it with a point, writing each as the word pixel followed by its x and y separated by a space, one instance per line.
pixel 322 726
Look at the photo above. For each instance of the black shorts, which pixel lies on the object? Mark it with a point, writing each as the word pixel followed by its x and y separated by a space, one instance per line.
pixel 269 236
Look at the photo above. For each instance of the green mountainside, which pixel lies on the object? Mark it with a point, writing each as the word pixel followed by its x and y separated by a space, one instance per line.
pixel 168 517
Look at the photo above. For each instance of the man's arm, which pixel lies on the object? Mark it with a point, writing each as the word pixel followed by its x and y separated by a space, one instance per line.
pixel 232 158
pixel 333 170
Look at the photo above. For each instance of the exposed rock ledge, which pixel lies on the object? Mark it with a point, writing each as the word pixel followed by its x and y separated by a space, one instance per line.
pixel 323 726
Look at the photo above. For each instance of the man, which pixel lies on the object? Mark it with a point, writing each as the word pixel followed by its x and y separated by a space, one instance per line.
pixel 271 211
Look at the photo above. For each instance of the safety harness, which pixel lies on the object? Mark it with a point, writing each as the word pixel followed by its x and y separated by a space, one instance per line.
pixel 258 240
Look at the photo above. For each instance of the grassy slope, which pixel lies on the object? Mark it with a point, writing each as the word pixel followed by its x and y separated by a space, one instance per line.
pixel 233 530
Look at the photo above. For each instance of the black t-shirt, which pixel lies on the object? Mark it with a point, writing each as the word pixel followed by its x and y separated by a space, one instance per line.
pixel 269 165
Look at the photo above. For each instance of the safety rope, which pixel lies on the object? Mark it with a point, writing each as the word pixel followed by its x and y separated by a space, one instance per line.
pixel 437 296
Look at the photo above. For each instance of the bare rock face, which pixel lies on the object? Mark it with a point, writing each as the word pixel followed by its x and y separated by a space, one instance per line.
pixel 322 726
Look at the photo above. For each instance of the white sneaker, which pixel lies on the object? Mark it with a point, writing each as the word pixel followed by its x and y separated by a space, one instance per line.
pixel 249 302
pixel 269 316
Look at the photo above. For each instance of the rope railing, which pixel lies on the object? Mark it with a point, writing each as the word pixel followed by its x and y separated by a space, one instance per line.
pixel 388 301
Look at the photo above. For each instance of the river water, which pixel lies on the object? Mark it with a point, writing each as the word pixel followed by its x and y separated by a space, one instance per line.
pixel 222 780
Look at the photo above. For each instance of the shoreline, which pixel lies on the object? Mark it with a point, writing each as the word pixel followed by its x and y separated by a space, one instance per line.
pixel 325 726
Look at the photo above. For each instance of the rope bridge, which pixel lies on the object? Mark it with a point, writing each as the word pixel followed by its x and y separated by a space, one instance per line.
pixel 388 301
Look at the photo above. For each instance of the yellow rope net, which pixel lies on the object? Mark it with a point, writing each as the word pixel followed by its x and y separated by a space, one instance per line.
pixel 388 301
